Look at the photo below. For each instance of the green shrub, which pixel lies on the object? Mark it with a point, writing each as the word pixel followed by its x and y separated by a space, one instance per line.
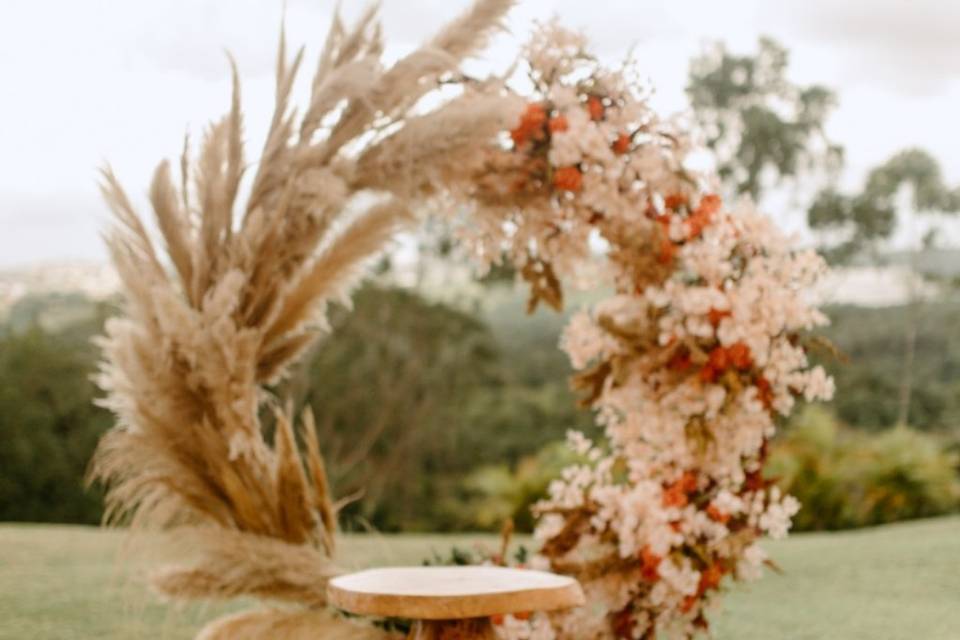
pixel 848 478
pixel 905 474
pixel 492 494
pixel 412 394
pixel 844 477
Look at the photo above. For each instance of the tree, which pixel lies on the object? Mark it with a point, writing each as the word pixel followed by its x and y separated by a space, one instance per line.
pixel 412 394
pixel 388 389
pixel 761 126
pixel 48 425
pixel 909 184
pixel 869 377
pixel 850 224
pixel 860 223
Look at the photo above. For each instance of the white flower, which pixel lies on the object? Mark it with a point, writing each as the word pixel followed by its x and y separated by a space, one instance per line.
pixel 548 526
pixel 819 385
pixel 681 440
pixel 578 442
pixel 750 566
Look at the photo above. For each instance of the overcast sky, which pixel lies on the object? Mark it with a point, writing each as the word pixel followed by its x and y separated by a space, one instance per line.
pixel 86 81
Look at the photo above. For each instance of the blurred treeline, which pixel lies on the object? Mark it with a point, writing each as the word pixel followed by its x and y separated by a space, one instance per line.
pixel 442 417
pixel 439 416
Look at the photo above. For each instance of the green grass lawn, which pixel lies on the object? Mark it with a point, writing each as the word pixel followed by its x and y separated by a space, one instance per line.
pixel 895 582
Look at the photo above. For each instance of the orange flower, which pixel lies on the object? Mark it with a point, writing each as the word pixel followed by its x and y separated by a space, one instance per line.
pixel 535 115
pixel 689 481
pixel 719 359
pixel 680 361
pixel 568 179
pixel 667 251
pixel 717 515
pixel 622 144
pixel 755 481
pixel 650 563
pixel 675 201
pixel 701 216
pixel 558 123
pixel 523 615
pixel 740 356
pixel 623 624
pixel 595 107
pixel 497 619
pixel 764 392
pixel 716 315
pixel 531 125
pixel 674 496
pixel 696 224
pixel 708 374
pixel 709 204
pixel 688 604
pixel 710 578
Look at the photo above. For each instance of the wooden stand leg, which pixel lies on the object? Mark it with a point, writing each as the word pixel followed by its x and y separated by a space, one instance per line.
pixel 471 629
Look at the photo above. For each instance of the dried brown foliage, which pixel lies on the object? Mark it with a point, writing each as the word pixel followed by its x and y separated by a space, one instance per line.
pixel 239 292
pixel 289 625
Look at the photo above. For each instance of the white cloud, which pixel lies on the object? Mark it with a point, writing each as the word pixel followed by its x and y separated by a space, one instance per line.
pixel 908 46
pixel 85 82
pixel 52 226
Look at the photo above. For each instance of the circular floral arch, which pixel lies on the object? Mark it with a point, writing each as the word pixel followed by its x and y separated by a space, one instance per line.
pixel 687 363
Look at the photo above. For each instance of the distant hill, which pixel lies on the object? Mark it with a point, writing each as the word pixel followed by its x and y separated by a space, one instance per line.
pixel 884 283
pixel 57 311
pixel 93 280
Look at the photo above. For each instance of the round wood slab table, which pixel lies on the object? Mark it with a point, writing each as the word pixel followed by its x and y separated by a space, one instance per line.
pixel 452 603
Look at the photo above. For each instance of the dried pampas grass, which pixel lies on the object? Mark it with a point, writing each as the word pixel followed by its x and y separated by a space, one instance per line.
pixel 228 564
pixel 239 291
pixel 290 625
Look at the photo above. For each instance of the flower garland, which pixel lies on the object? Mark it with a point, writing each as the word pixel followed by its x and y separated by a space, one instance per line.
pixel 687 364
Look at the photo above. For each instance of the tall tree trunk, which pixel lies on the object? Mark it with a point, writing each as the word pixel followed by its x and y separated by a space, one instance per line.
pixel 909 354
pixel 915 293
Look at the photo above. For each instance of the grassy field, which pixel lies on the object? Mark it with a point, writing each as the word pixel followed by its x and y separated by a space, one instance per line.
pixel 896 582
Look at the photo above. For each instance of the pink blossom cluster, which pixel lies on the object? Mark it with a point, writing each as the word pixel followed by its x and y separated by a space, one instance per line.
pixel 687 364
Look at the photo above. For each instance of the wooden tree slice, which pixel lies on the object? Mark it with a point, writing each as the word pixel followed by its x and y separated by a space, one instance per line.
pixel 452 593
pixel 471 629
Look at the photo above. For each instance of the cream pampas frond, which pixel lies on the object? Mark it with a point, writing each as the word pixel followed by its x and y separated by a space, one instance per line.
pixel 289 625
pixel 227 564
pixel 239 291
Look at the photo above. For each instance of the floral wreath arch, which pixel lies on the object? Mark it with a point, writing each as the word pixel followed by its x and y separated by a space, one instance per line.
pixel 687 363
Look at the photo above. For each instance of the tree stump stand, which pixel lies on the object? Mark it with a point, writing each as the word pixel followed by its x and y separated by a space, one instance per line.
pixel 452 603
